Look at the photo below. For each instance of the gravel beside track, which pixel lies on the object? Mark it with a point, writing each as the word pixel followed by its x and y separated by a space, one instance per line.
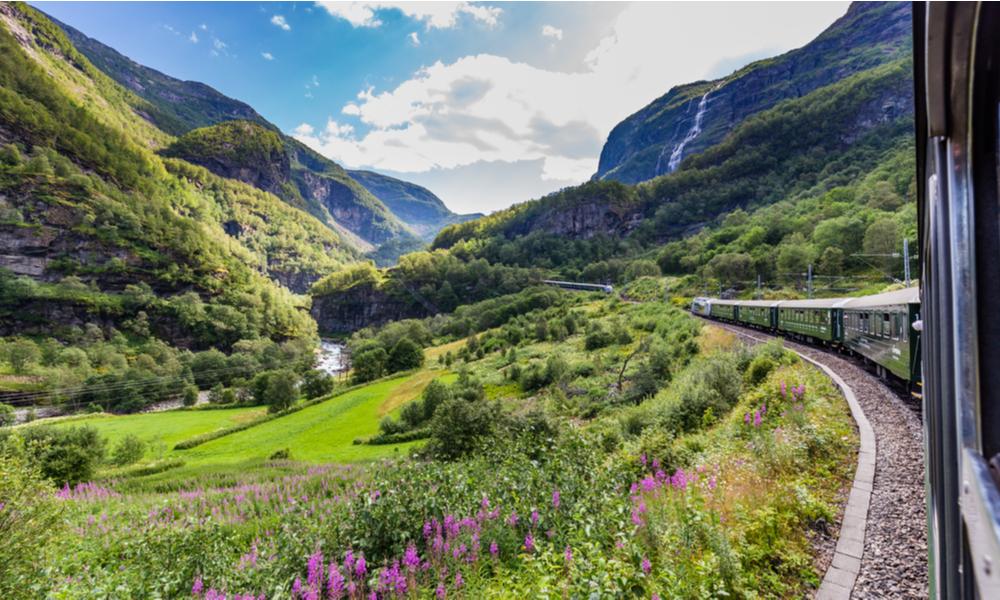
pixel 894 564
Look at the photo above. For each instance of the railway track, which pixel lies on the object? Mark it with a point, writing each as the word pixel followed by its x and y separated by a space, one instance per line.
pixel 894 559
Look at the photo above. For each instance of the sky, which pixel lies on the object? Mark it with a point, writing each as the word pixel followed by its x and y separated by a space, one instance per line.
pixel 484 103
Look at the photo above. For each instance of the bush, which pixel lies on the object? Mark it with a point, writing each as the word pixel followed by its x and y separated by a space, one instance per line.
pixel 369 365
pixel 66 456
pixel 760 367
pixel 459 426
pixel 190 395
pixel 282 454
pixel 30 519
pixel 316 383
pixel 7 415
pixel 281 391
pixel 405 355
pixel 598 338
pixel 128 451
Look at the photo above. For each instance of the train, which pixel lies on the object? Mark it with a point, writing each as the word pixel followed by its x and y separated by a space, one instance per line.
pixel 882 329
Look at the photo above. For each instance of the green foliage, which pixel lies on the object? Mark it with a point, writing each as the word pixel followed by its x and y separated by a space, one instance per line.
pixel 31 519
pixel 405 355
pixel 316 384
pixel 129 450
pixel 7 415
pixel 66 456
pixel 459 426
pixel 190 395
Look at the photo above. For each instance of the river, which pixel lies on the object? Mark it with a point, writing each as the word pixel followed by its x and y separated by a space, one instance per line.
pixel 330 358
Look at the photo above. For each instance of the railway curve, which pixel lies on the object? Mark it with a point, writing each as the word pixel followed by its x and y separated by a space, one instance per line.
pixel 893 563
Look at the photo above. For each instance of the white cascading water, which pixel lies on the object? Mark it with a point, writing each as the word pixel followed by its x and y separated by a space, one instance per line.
pixel 678 152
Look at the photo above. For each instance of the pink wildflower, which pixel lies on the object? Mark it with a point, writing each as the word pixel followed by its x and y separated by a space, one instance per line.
pixel 198 586
pixel 646 565
pixel 529 543
pixel 568 554
pixel 555 499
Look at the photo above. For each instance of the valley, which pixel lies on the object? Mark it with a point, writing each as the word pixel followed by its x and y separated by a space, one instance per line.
pixel 373 396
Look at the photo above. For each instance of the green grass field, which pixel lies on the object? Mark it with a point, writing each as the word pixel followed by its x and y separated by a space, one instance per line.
pixel 167 427
pixel 324 432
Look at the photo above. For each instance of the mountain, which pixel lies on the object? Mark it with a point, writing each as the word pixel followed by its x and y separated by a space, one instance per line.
pixel 415 205
pixel 175 106
pixel 273 162
pixel 299 176
pixel 693 117
pixel 97 228
pixel 851 136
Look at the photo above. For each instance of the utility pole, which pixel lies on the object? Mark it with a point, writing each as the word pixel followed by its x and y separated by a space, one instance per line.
pixel 906 261
pixel 758 286
pixel 809 280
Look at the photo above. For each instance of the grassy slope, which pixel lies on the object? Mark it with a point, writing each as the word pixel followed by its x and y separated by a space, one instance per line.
pixel 166 427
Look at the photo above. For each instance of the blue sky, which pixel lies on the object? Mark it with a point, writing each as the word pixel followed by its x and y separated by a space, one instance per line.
pixel 485 103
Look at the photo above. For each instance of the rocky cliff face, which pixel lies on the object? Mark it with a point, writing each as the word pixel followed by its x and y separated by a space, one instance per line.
pixel 639 147
pixel 359 307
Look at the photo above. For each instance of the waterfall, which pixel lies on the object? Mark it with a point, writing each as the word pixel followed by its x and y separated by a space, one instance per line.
pixel 678 152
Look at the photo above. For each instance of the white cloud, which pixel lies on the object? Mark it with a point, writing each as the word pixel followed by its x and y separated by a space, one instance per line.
pixel 414 38
pixel 487 109
pixel 436 15
pixel 552 32
pixel 313 82
pixel 218 44
pixel 280 22
pixel 193 37
pixel 267 56
pixel 203 27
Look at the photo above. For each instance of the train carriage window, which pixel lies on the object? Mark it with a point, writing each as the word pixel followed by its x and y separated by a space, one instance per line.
pixel 886 328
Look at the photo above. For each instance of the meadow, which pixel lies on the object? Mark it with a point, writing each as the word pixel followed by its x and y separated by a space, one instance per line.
pixel 718 482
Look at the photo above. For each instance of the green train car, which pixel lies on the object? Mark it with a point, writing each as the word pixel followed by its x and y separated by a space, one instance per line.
pixel 724 309
pixel 760 313
pixel 880 328
pixel 818 318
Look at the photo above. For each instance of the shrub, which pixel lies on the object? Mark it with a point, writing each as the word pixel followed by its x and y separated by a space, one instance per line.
pixel 369 364
pixel 459 426
pixel 66 456
pixel 316 383
pixel 190 395
pixel 30 519
pixel 760 367
pixel 281 391
pixel 7 415
pixel 405 355
pixel 598 338
pixel 128 451
pixel 282 454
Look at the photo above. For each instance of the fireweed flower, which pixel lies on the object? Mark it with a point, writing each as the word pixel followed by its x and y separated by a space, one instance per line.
pixel 746 418
pixel 494 549
pixel 756 419
pixel 197 587
pixel 646 565
pixel 459 582
pixel 534 518
pixel 410 558
pixel 784 391
pixel 360 568
pixel 335 582
pixel 555 499
pixel 512 519
pixel 440 592
pixel 529 543
pixel 568 553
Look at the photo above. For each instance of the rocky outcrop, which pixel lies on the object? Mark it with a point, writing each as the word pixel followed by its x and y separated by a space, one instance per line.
pixel 359 307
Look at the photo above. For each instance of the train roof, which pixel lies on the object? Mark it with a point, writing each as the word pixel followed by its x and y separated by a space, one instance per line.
pixel 814 303
pixel 764 303
pixel 905 296
pixel 724 302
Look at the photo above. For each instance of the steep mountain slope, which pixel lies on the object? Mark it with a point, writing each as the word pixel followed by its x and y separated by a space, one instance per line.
pixel 175 106
pixel 415 205
pixel 273 162
pixel 100 228
pixel 320 185
pixel 691 118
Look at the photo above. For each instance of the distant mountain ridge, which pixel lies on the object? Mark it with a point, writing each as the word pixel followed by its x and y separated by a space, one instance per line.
pixel 640 147
pixel 353 206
